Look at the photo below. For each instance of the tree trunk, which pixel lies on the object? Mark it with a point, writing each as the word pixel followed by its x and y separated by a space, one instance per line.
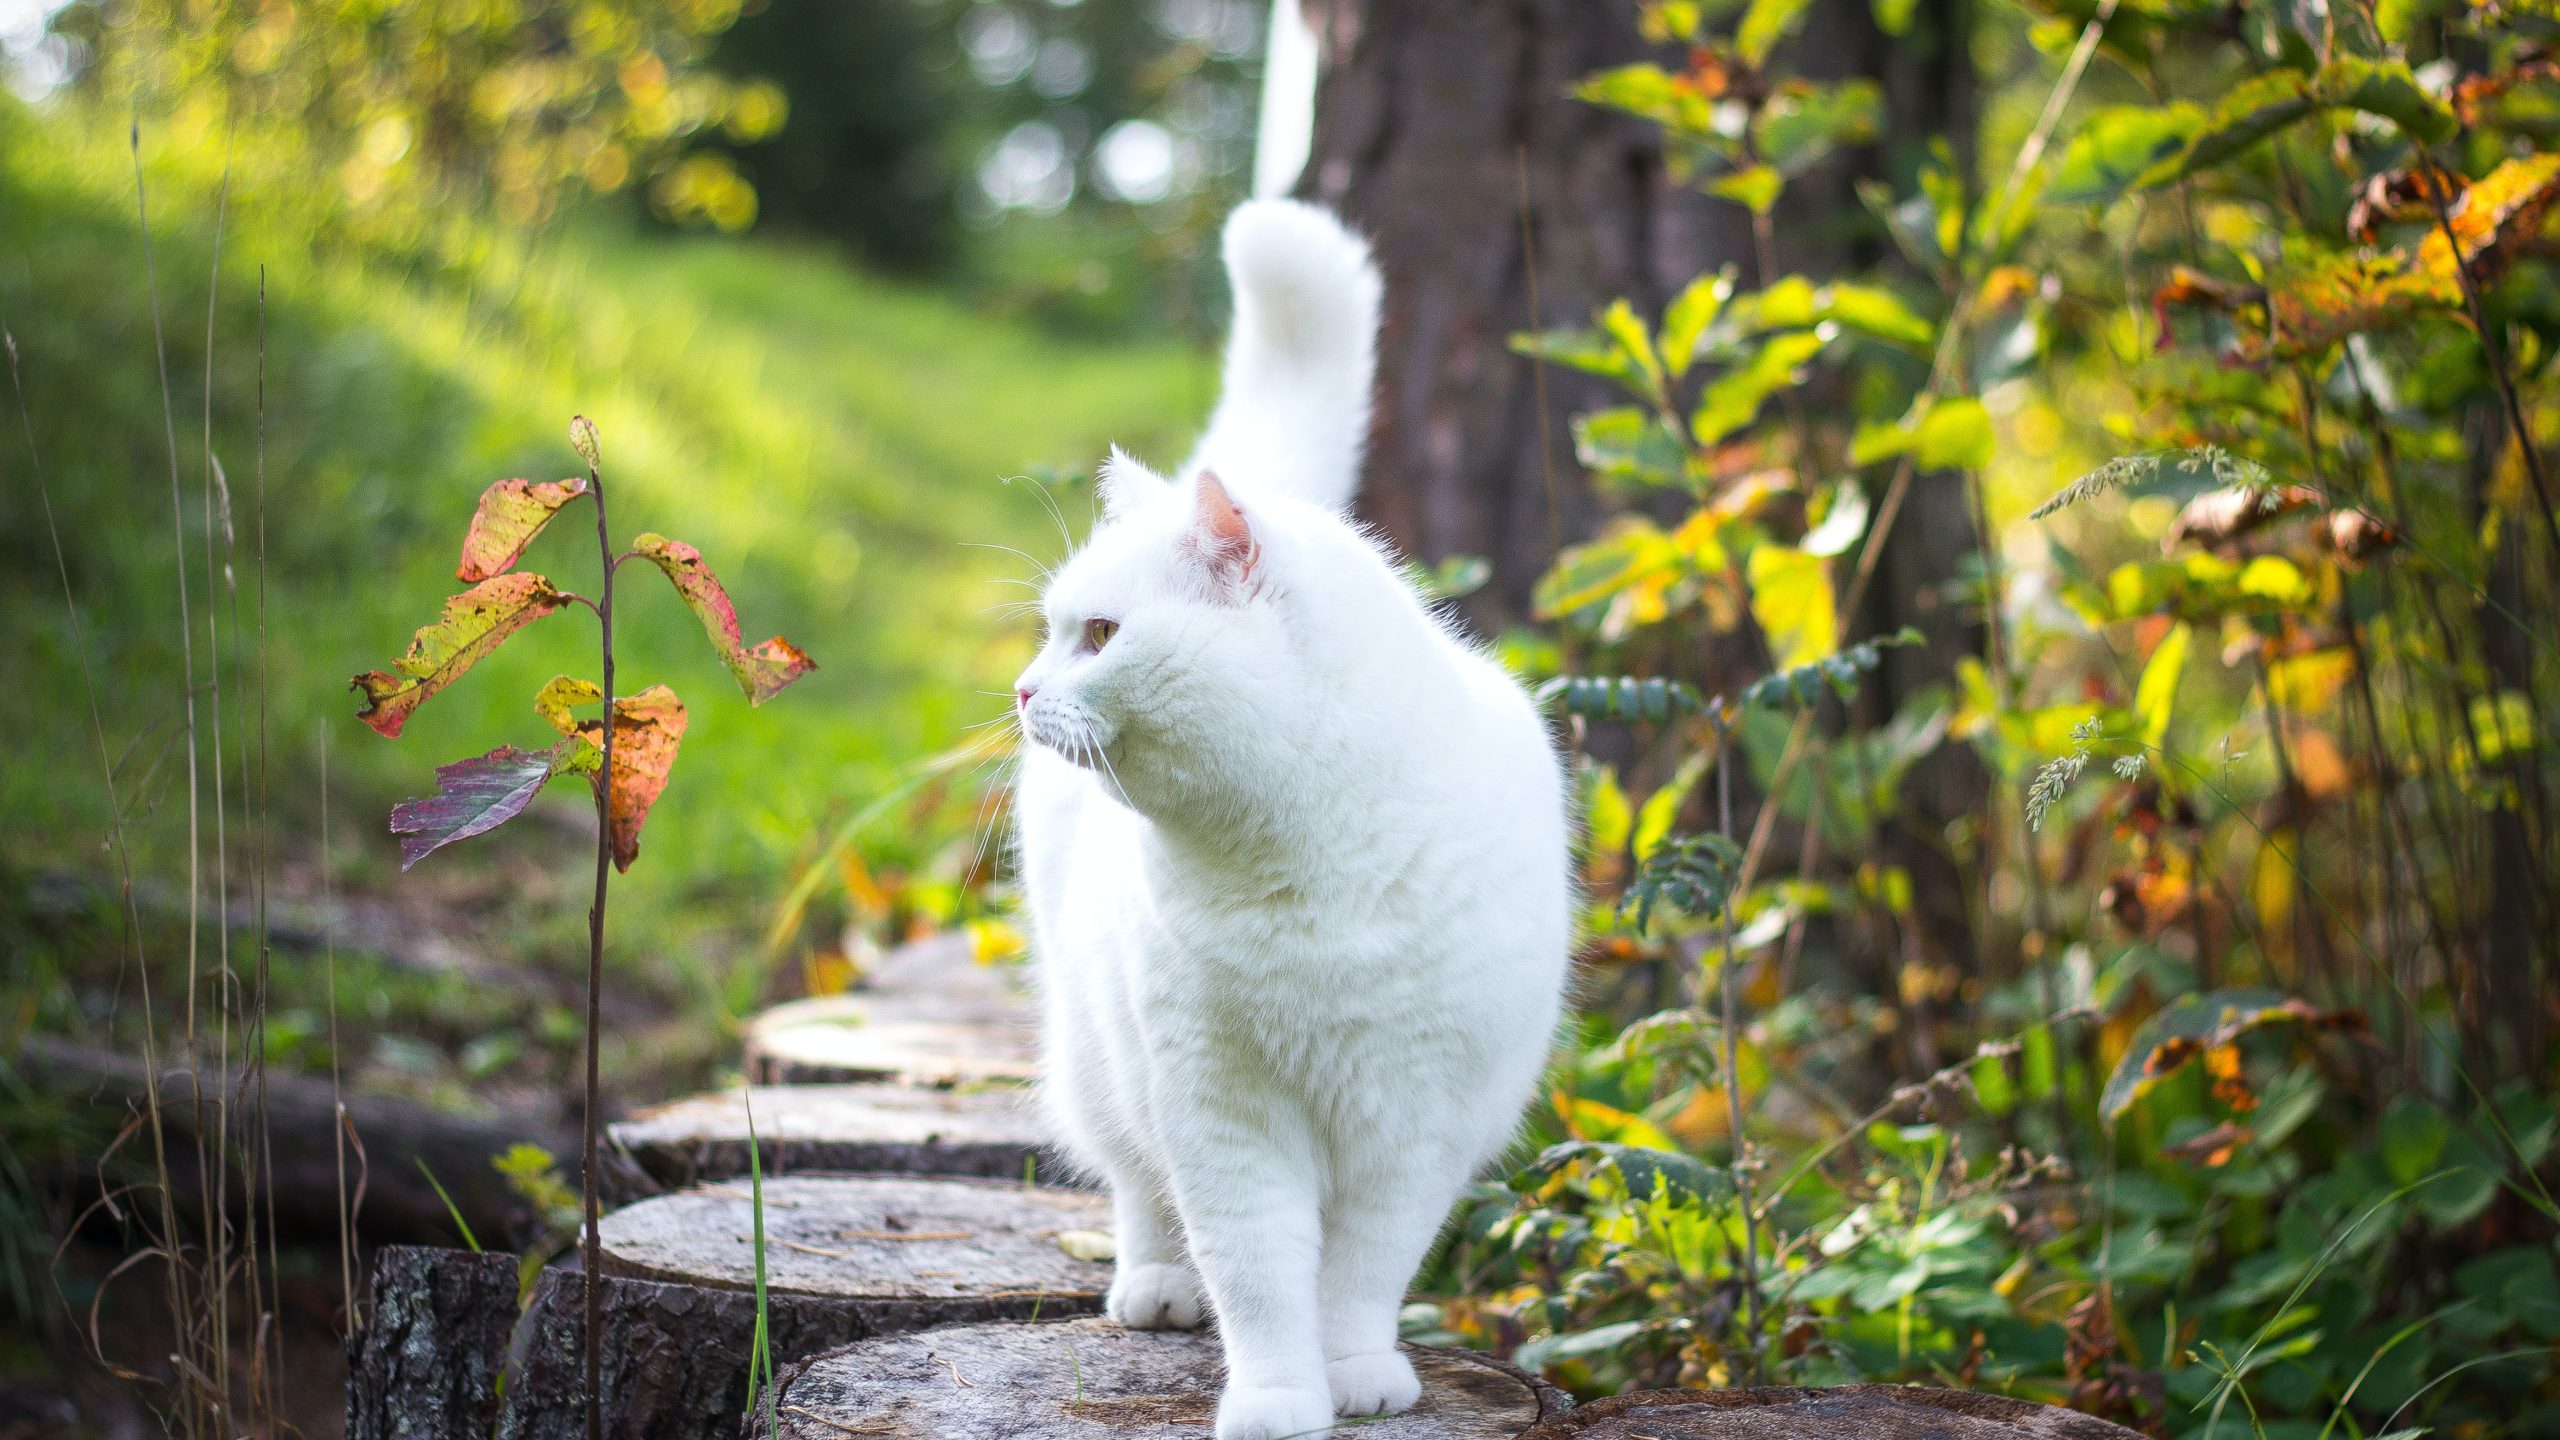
pixel 427 1367
pixel 992 1134
pixel 1090 1379
pixel 1847 1412
pixel 1431 115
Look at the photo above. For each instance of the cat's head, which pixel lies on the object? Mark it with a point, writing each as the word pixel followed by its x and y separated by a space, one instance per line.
pixel 1178 635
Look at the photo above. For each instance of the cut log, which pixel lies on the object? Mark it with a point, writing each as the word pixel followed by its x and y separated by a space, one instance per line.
pixel 939 979
pixel 892 1129
pixel 847 1258
pixel 402 1143
pixel 1848 1412
pixel 427 1366
pixel 930 1041
pixel 1090 1379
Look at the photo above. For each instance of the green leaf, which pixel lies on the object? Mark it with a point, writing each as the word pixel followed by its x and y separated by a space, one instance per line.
pixel 1734 399
pixel 1645 1172
pixel 1628 443
pixel 1804 684
pixel 2193 1024
pixel 1791 598
pixel 474 623
pixel 1803 124
pixel 1654 818
pixel 1955 435
pixel 1546 1350
pixel 1764 24
pixel 2115 146
pixel 1623 697
pixel 1893 17
pixel 1755 188
pixel 1689 315
pixel 1606 816
pixel 762 671
pixel 1875 311
pixel 2156 694
pixel 1625 330
pixel 1693 874
pixel 2265 104
pixel 2414 1133
pixel 1585 350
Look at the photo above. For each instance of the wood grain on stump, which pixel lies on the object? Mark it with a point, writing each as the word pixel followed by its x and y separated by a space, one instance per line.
pixel 847 1258
pixel 893 1129
pixel 1090 1379
pixel 916 1039
pixel 867 1237
pixel 427 1366
pixel 1847 1412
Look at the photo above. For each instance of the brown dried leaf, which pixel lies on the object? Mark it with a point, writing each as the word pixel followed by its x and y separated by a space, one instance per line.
pixel 2218 517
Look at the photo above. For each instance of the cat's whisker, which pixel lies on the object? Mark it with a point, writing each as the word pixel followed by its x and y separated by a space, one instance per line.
pixel 1048 502
pixel 1046 571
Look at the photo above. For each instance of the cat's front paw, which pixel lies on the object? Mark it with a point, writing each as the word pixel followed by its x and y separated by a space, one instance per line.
pixel 1154 1297
pixel 1380 1382
pixel 1272 1413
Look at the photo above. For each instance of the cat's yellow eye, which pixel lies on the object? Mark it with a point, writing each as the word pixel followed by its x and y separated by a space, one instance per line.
pixel 1098 632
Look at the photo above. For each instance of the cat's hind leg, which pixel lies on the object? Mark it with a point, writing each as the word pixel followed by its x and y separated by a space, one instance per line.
pixel 1153 1286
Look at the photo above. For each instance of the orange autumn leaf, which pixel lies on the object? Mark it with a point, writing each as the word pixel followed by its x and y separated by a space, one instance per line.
pixel 647 728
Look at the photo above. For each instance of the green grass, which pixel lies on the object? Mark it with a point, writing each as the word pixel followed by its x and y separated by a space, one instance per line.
pixel 835 444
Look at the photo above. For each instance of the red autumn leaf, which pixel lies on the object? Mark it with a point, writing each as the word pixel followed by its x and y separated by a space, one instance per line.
pixel 476 796
pixel 474 623
pixel 761 672
pixel 647 728
pixel 511 513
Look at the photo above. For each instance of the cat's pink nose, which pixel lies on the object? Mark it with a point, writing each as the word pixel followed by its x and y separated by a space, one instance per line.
pixel 1022 695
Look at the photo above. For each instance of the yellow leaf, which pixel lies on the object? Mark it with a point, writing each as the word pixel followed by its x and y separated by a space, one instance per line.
pixel 1791 598
pixel 993 942
pixel 1591 1120
pixel 2156 695
pixel 1662 807
pixel 1606 817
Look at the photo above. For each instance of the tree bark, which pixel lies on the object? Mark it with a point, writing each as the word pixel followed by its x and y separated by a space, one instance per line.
pixel 1847 1412
pixel 427 1367
pixel 993 1134
pixel 1090 1379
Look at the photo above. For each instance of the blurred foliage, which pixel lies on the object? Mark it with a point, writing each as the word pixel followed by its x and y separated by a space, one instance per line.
pixel 417 104
pixel 2226 1106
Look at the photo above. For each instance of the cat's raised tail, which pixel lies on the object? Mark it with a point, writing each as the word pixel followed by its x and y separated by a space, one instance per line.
pixel 1294 413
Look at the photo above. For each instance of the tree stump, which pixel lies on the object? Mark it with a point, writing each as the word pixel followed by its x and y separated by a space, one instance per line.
pixel 928 1040
pixel 1090 1379
pixel 427 1366
pixel 893 1129
pixel 847 1258
pixel 1848 1412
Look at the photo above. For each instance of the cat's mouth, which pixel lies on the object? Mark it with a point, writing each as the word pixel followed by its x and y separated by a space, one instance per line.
pixel 1068 729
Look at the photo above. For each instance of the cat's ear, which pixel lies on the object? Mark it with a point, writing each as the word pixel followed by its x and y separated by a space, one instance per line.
pixel 1126 485
pixel 1220 535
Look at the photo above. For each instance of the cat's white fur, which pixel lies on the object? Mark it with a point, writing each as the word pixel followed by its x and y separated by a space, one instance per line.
pixel 1296 863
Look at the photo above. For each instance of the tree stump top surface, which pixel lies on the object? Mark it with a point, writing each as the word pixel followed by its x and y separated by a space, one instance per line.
pixel 865 1237
pixel 872 1113
pixel 865 1037
pixel 1847 1412
pixel 1092 1380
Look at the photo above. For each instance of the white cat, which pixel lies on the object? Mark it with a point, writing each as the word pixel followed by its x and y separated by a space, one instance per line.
pixel 1296 861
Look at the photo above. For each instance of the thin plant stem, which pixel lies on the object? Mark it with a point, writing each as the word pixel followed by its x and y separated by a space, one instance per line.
pixel 591 1249
pixel 1732 1024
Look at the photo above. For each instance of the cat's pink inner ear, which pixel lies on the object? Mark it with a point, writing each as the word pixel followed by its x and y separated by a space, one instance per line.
pixel 1220 530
